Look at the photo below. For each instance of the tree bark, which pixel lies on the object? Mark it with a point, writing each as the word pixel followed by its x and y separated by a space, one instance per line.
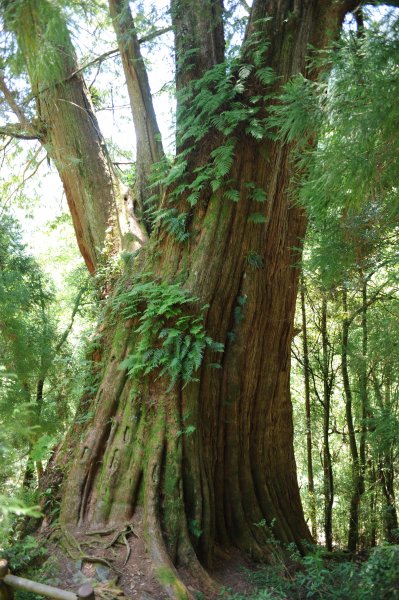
pixel 234 476
pixel 149 148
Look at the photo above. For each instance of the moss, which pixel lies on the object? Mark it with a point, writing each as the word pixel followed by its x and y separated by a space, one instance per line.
pixel 106 502
pixel 169 579
pixel 119 339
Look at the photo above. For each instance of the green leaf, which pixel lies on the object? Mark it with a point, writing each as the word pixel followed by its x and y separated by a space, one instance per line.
pixel 257 218
pixel 233 195
pixel 259 195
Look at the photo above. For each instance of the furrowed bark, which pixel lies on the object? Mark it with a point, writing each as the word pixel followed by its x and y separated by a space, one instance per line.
pixel 199 38
pixel 148 137
pixel 218 450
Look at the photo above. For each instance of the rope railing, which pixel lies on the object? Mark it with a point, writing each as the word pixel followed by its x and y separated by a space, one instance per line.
pixel 9 583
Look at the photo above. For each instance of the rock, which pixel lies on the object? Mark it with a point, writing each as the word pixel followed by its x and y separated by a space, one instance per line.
pixel 102 572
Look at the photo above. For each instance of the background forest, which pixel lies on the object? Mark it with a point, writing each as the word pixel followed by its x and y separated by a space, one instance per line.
pixel 345 349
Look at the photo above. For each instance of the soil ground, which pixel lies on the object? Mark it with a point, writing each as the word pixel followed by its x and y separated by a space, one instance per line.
pixel 117 566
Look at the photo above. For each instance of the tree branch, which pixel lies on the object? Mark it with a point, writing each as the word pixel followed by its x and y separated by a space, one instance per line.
pixel 110 53
pixel 245 5
pixel 17 110
pixel 67 331
pixel 14 130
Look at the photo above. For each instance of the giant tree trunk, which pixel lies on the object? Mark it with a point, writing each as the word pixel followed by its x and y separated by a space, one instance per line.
pixel 212 462
pixel 218 451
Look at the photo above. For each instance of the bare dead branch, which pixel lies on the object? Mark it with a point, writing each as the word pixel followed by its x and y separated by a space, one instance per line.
pixel 114 51
pixel 9 96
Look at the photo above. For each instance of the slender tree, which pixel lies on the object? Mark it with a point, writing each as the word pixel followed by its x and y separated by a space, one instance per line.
pixel 309 444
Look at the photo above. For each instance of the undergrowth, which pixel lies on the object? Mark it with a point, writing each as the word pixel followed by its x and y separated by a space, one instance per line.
pixel 29 558
pixel 317 578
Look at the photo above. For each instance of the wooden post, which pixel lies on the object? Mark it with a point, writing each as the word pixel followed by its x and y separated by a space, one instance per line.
pixel 9 582
pixel 3 568
pixel 6 592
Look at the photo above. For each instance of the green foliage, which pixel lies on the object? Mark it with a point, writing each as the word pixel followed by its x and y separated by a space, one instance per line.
pixel 43 37
pixel 299 114
pixel 37 373
pixel 171 340
pixel 355 117
pixel 316 578
pixel 214 109
pixel 29 558
pixel 257 218
pixel 255 260
pixel 21 554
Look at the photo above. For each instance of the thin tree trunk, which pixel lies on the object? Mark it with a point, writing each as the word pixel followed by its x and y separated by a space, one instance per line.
pixel 149 148
pixel 358 482
pixel 391 519
pixel 386 470
pixel 328 478
pixel 363 390
pixel 309 446
pixel 373 503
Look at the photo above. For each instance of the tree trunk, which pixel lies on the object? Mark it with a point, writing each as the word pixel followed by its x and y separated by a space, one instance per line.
pixel 215 450
pixel 357 473
pixel 328 477
pixel 385 467
pixel 149 148
pixel 309 446
pixel 211 462
pixel 69 131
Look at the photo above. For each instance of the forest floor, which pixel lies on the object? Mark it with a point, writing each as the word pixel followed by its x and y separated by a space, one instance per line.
pixel 115 563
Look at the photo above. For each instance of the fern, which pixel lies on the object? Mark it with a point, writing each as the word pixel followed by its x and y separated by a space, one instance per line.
pixel 257 218
pixel 258 194
pixel 233 195
pixel 215 104
pixel 170 340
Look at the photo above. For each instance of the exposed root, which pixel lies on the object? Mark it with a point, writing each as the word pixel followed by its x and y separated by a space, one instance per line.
pixel 106 591
pixel 74 550
pixel 115 538
pixel 72 541
pixel 128 549
pixel 50 532
pixel 97 559
pixel 164 570
pixel 101 531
